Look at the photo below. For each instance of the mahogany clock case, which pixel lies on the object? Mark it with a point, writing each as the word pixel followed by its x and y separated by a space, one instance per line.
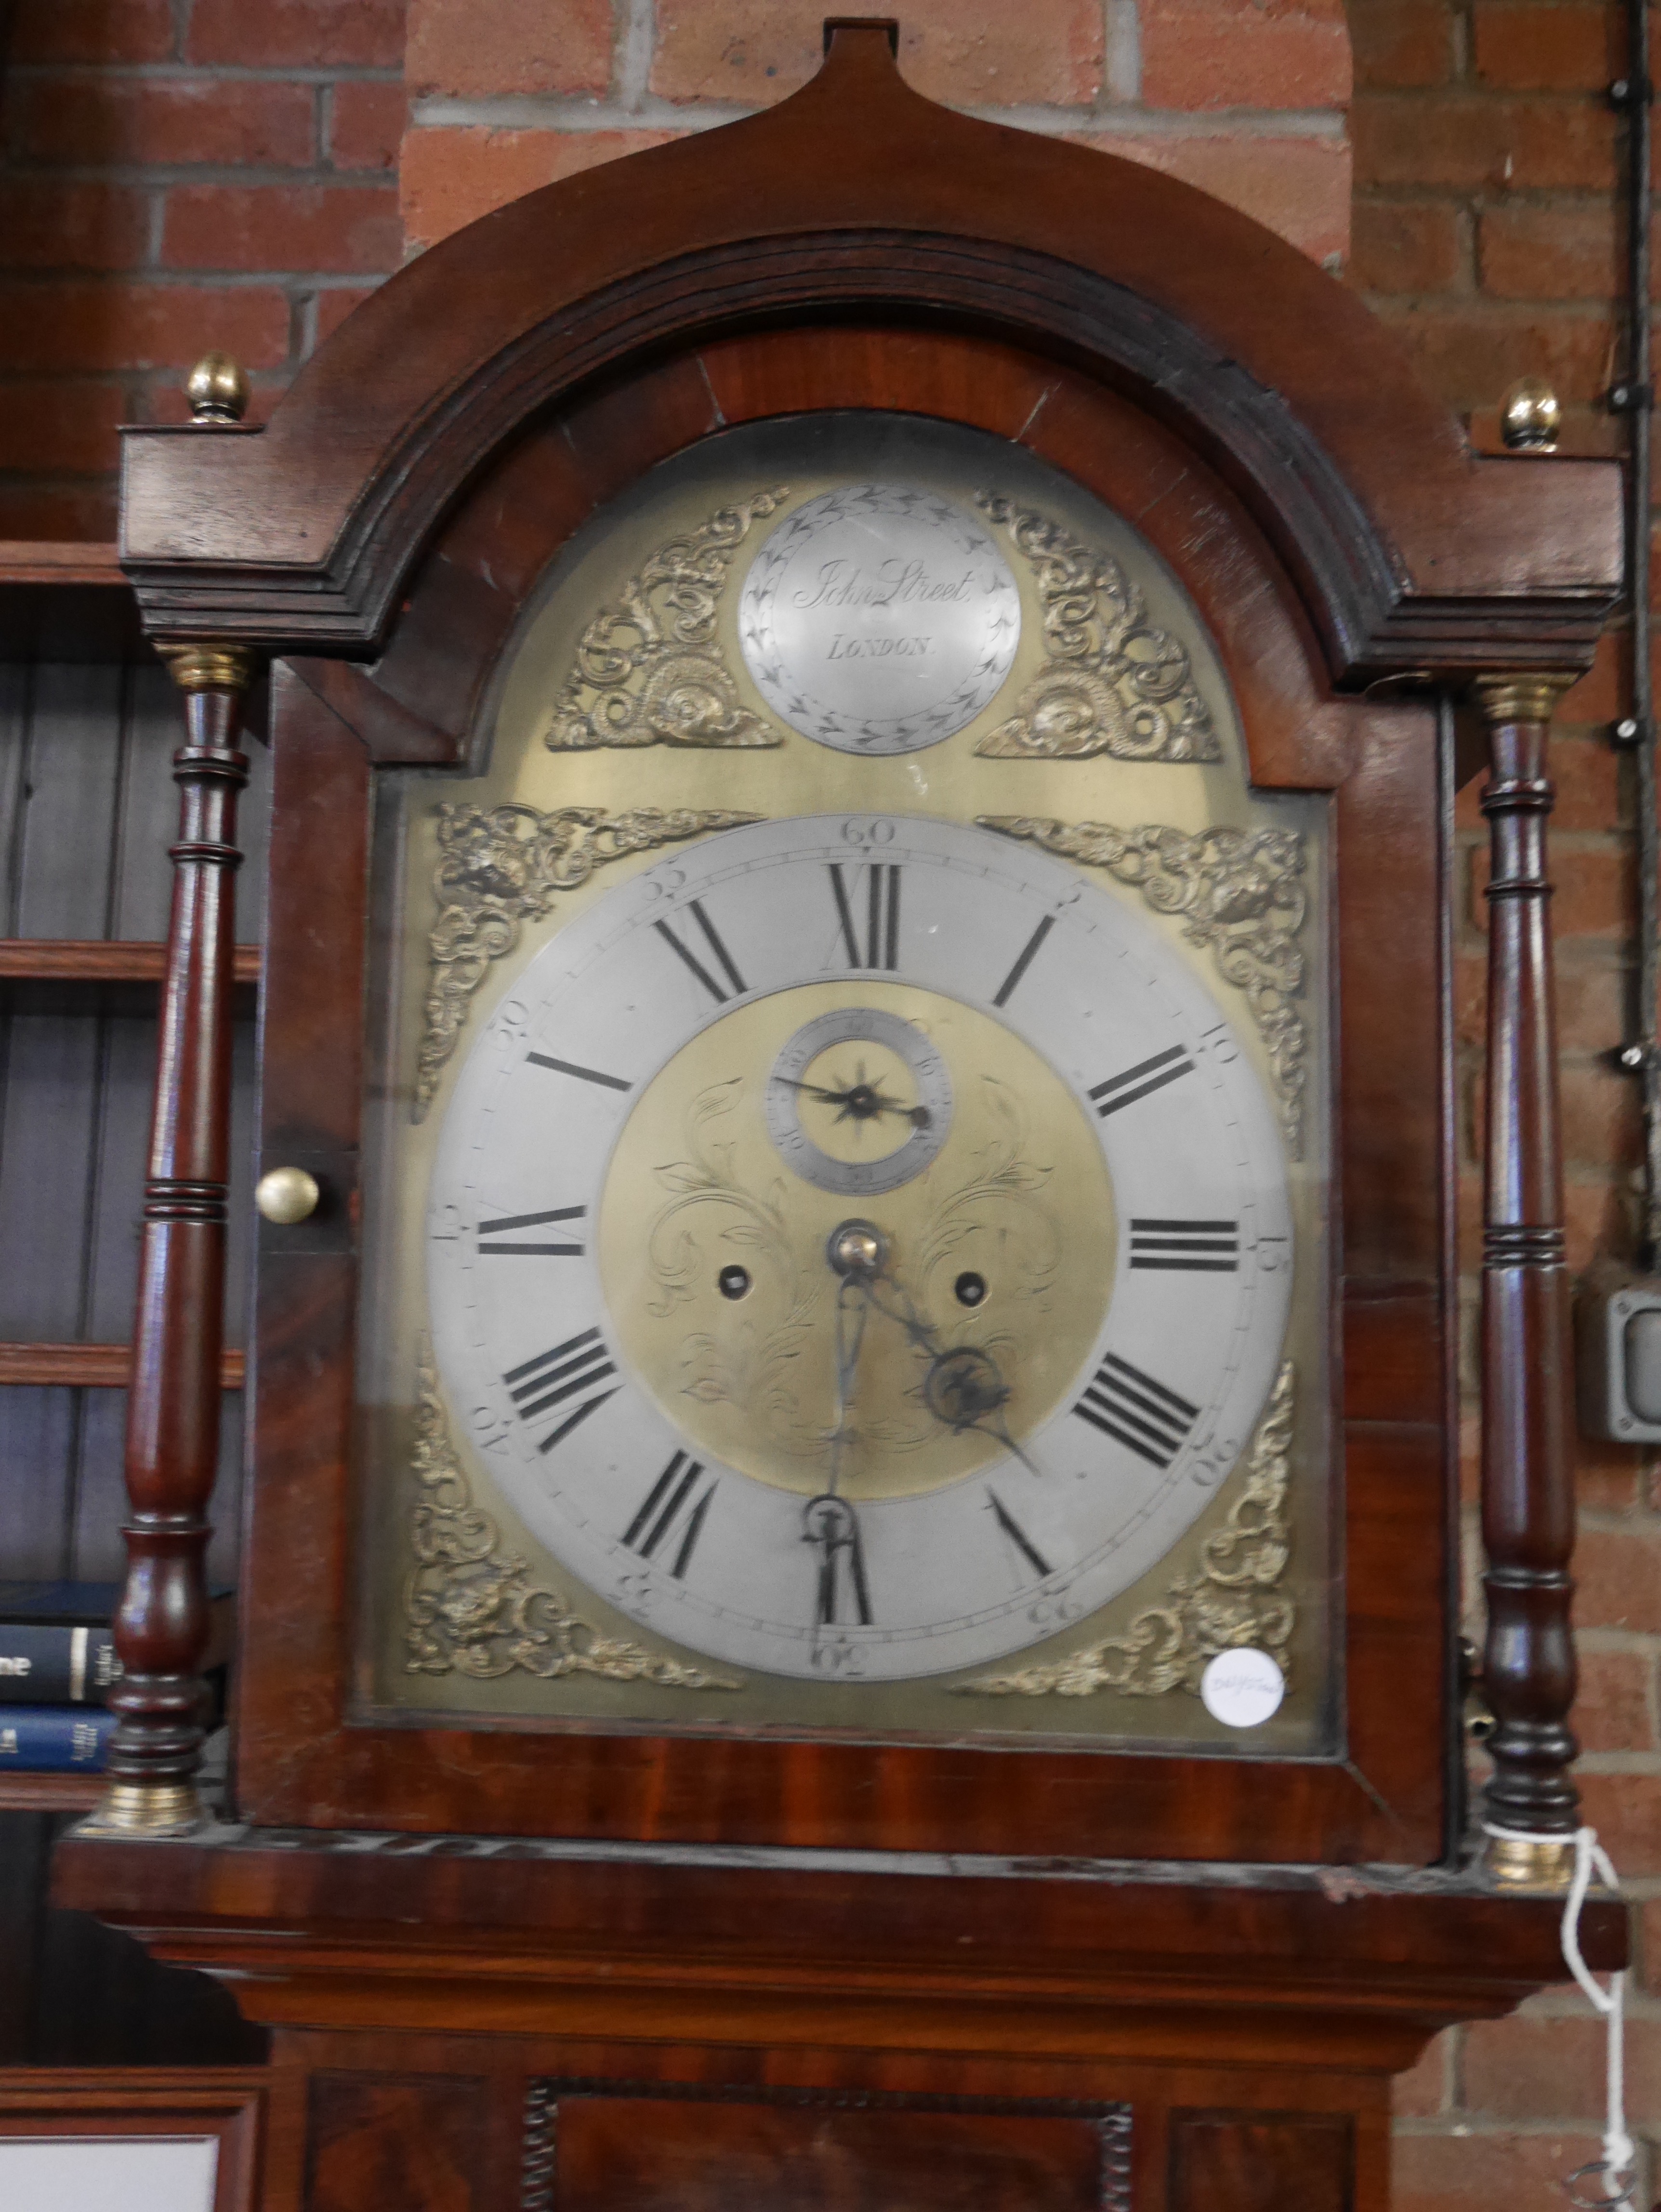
pixel 309 1748
pixel 859 249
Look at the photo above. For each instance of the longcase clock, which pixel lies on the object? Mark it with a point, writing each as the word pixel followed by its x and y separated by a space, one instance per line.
pixel 851 1568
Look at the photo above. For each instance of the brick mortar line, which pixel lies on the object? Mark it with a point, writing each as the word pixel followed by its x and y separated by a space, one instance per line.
pixel 203 73
pixel 1420 95
pixel 1559 2003
pixel 575 115
pixel 1488 310
pixel 1390 193
pixel 1463 2120
pixel 53 280
pixel 164 175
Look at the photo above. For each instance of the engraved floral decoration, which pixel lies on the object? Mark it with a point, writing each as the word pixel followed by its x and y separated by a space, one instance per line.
pixel 1240 893
pixel 1233 1598
pixel 756 1364
pixel 1000 1176
pixel 500 867
pixel 473 1611
pixel 649 669
pixel 1114 682
pixel 757 1368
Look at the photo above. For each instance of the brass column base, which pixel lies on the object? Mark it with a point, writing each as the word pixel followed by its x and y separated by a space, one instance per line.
pixel 148 1808
pixel 1537 1863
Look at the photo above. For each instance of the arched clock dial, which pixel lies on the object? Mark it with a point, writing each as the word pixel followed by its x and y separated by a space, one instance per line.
pixel 857 1309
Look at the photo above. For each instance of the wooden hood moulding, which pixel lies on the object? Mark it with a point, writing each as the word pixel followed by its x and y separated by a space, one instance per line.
pixel 856 195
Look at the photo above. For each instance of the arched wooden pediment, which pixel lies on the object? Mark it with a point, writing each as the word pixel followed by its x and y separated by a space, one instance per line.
pixel 857 198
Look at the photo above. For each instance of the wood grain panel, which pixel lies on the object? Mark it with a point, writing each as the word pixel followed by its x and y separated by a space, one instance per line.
pixel 373 2140
pixel 642 2154
pixel 1259 2162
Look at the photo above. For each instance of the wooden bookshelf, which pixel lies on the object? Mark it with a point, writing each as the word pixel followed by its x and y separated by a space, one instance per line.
pixel 91 1366
pixel 50 560
pixel 50 1793
pixel 98 960
pixel 66 601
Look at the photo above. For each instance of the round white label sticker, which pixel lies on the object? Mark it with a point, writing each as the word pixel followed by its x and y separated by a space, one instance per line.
pixel 1242 1689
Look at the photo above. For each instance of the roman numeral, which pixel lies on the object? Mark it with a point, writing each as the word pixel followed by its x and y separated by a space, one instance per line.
pixel 552 1377
pixel 669 1508
pixel 842 1590
pixel 1148 1075
pixel 1024 960
pixel 1137 1412
pixel 1017 1536
pixel 882 914
pixel 720 956
pixel 583 1074
pixel 1203 1248
pixel 532 1221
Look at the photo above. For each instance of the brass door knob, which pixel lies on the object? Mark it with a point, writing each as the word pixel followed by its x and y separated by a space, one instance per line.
pixel 287 1194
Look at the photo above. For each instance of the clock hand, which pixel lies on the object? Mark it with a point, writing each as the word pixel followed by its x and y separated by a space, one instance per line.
pixel 861 1100
pixel 848 1357
pixel 828 1519
pixel 962 1387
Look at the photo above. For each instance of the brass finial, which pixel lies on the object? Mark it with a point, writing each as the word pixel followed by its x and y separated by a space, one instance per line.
pixel 217 390
pixel 1530 416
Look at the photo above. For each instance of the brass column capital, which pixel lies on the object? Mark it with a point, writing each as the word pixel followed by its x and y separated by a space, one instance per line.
pixel 1513 696
pixel 207 668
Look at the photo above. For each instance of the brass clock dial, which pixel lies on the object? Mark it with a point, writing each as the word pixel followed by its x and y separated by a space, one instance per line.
pixel 845 1235
pixel 865 1422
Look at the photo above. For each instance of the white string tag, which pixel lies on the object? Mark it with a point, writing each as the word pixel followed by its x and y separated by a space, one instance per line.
pixel 1604 2175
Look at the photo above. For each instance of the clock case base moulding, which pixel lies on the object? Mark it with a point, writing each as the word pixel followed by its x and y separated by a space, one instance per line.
pixel 484 2024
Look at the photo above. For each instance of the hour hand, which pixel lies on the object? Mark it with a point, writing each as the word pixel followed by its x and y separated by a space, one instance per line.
pixel 832 1524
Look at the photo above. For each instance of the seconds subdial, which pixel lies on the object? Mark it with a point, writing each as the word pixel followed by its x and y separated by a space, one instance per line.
pixel 859 1102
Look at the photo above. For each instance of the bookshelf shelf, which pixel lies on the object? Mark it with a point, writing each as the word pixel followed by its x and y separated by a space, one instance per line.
pixel 98 960
pixel 95 1366
pixel 50 1793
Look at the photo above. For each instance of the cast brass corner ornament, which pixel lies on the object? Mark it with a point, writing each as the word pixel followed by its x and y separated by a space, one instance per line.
pixel 1113 682
pixel 1233 1598
pixel 1238 892
pixel 649 669
pixel 472 1611
pixel 500 867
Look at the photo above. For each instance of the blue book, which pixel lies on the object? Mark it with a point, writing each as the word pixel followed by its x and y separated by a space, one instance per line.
pixel 53 1739
pixel 56 1665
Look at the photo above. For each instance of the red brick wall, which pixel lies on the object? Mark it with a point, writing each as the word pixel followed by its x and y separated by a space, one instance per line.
pixel 1244 97
pixel 182 173
pixel 178 174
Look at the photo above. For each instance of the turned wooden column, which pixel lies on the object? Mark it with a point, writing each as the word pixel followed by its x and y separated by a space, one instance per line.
pixel 1528 1491
pixel 174 1406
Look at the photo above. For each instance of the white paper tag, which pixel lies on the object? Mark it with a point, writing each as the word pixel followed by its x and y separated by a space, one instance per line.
pixel 1242 1689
